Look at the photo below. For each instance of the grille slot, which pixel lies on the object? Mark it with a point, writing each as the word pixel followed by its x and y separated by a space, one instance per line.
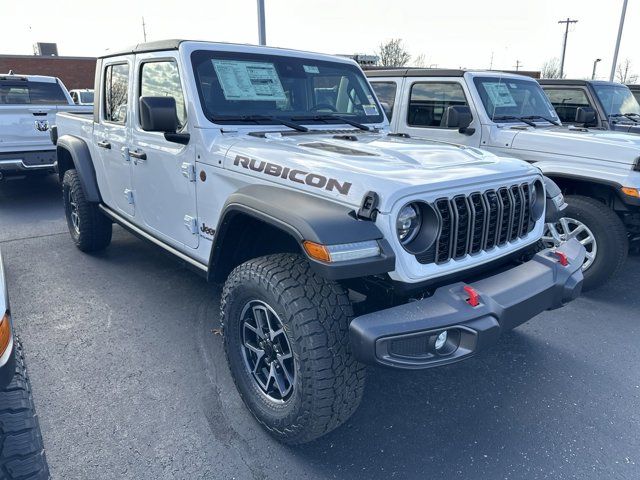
pixel 480 222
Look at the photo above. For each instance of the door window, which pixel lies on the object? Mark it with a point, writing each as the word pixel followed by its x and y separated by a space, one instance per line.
pixel 386 92
pixel 116 93
pixel 161 79
pixel 566 102
pixel 429 102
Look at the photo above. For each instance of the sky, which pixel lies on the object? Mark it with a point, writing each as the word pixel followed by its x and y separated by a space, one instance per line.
pixel 450 34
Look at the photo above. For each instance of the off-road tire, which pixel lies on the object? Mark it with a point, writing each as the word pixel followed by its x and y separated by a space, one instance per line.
pixel 610 234
pixel 315 314
pixel 94 227
pixel 21 449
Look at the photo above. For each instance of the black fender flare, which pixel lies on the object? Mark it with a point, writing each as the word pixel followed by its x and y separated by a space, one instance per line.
pixel 78 149
pixel 306 217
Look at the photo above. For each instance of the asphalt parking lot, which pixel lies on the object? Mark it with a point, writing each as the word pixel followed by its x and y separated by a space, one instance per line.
pixel 130 379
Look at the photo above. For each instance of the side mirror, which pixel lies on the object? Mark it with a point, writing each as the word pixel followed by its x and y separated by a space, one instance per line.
pixel 459 116
pixel 158 114
pixel 586 116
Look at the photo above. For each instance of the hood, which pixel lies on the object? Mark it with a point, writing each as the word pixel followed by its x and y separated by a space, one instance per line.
pixel 346 166
pixel 604 145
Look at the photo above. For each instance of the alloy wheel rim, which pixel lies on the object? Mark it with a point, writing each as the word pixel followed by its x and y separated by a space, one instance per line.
pixel 73 212
pixel 266 351
pixel 567 228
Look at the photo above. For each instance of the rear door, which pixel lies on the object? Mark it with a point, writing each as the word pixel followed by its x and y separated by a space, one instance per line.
pixel 112 135
pixel 164 179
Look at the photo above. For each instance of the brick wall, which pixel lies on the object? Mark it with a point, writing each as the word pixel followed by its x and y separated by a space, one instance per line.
pixel 75 72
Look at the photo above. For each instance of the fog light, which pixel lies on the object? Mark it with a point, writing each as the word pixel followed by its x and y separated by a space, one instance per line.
pixel 441 340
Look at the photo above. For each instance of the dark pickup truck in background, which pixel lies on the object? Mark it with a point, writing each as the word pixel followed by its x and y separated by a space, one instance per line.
pixel 594 103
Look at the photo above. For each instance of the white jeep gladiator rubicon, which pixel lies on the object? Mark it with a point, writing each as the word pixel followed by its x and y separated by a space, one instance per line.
pixel 28 105
pixel 339 245
pixel 597 170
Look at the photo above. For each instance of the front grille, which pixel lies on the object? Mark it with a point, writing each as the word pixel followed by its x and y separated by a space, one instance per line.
pixel 480 222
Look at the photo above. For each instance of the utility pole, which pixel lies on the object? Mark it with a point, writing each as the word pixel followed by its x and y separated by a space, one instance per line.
pixel 595 64
pixel 567 22
pixel 144 30
pixel 615 53
pixel 518 65
pixel 262 33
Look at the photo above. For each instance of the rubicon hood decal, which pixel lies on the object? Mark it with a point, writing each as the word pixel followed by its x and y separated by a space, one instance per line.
pixel 293 175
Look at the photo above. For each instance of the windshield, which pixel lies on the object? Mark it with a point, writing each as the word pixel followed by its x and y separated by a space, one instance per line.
pixel 616 99
pixel 23 92
pixel 86 97
pixel 234 85
pixel 506 99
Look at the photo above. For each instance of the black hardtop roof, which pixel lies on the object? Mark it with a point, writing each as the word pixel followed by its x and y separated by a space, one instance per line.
pixel 412 72
pixel 569 81
pixel 160 45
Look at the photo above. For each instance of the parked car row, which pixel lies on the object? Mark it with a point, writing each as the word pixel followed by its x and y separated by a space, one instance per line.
pixel 510 115
pixel 344 236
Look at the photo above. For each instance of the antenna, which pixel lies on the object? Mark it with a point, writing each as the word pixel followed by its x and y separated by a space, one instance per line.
pixel 491 61
pixel 144 30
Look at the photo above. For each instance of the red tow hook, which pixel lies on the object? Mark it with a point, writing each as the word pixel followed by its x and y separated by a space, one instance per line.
pixel 474 298
pixel 562 258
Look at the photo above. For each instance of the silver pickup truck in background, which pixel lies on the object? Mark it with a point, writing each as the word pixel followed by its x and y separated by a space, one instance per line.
pixel 28 106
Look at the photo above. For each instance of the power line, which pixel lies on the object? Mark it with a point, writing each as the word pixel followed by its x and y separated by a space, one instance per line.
pixel 567 22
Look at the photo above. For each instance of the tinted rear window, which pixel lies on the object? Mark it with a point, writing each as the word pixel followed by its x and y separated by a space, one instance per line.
pixel 16 92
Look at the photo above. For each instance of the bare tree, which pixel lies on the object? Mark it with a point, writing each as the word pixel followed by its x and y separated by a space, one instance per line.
pixel 623 72
pixel 420 61
pixel 551 68
pixel 393 53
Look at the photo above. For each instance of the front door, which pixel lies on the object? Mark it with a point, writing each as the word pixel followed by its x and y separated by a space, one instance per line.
pixel 111 135
pixel 423 115
pixel 163 171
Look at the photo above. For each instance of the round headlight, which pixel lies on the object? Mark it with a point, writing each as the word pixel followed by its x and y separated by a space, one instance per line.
pixel 408 223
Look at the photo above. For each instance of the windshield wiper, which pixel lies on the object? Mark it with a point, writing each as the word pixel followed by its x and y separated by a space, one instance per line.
pixel 257 119
pixel 513 117
pixel 333 117
pixel 531 117
pixel 630 116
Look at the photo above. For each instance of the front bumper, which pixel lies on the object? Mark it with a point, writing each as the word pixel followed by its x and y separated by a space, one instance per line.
pixel 404 336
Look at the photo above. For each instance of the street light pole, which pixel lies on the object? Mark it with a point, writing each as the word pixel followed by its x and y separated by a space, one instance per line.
pixel 567 22
pixel 595 64
pixel 615 53
pixel 262 33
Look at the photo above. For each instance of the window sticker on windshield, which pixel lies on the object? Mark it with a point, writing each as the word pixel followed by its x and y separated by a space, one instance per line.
pixel 499 94
pixel 249 80
pixel 370 110
pixel 311 69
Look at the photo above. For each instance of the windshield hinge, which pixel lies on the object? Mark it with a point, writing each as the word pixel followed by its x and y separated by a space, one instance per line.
pixel 189 171
pixel 191 223
pixel 368 209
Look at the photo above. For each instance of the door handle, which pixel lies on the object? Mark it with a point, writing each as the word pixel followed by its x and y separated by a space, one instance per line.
pixel 104 144
pixel 138 156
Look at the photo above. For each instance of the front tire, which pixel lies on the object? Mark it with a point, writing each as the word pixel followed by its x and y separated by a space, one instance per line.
pixel 21 448
pixel 287 343
pixel 601 232
pixel 90 229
